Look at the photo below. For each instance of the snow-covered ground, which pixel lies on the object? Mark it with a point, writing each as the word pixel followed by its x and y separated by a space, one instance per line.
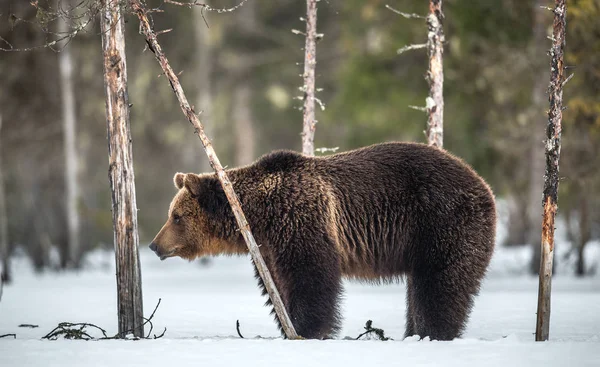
pixel 200 306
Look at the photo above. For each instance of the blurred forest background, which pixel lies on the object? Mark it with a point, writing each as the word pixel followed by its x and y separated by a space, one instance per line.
pixel 244 71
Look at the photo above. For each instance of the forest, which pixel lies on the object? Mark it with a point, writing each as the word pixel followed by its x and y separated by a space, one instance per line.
pixel 243 70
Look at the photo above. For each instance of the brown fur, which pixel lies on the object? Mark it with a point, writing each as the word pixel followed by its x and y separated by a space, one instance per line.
pixel 374 214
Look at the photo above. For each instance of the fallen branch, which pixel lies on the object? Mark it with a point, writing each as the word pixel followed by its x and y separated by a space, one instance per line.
pixel 372 330
pixel 78 331
pixel 7 335
pixel 31 326
pixel 192 117
pixel 237 328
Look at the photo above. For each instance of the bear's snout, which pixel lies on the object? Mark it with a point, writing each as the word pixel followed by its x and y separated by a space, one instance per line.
pixel 153 246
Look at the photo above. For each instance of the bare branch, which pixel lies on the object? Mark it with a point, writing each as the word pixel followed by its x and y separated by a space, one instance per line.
pixel 411 47
pixel 206 6
pixel 405 15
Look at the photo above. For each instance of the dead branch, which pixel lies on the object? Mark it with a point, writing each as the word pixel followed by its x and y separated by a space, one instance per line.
pixel 31 326
pixel 237 328
pixel 192 117
pixel 411 47
pixel 379 333
pixel 405 15
pixel 7 335
pixel 206 6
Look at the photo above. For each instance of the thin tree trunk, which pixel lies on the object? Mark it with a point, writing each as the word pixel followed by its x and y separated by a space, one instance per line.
pixel 244 130
pixel 5 274
pixel 310 63
pixel 536 146
pixel 121 175
pixel 204 71
pixel 585 233
pixel 192 117
pixel 435 75
pixel 65 62
pixel 553 133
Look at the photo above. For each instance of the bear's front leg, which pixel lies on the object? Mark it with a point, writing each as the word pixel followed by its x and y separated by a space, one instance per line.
pixel 308 278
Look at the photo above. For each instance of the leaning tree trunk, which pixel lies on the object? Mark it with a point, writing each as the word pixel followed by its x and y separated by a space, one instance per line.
pixel 553 136
pixel 435 75
pixel 192 117
pixel 121 176
pixel 5 275
pixel 310 63
pixel 73 252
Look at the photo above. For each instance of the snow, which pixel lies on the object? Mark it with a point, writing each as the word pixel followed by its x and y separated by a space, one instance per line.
pixel 200 306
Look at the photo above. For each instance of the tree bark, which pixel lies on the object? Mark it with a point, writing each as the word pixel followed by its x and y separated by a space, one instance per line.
pixel 65 62
pixel 121 175
pixel 192 117
pixel 435 75
pixel 5 274
pixel 310 63
pixel 536 146
pixel 551 179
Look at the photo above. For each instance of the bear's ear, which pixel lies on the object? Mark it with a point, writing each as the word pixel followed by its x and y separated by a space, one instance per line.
pixel 178 180
pixel 192 184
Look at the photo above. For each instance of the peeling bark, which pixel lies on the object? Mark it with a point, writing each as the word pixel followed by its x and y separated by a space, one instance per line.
pixel 435 75
pixel 120 172
pixel 310 63
pixel 192 117
pixel 551 178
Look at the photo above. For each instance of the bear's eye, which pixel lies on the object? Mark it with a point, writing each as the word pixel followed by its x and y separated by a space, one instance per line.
pixel 176 218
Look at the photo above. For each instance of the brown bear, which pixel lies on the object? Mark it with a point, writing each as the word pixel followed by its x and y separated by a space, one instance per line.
pixel 380 213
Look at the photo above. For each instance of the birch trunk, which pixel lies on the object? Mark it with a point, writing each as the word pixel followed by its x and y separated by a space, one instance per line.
pixel 435 75
pixel 65 62
pixel 310 63
pixel 192 117
pixel 121 175
pixel 5 274
pixel 553 136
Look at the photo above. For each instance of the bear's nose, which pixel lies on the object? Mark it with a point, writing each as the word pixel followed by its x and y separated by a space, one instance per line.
pixel 153 246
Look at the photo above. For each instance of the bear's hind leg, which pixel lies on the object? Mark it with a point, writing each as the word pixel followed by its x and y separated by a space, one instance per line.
pixel 410 320
pixel 442 303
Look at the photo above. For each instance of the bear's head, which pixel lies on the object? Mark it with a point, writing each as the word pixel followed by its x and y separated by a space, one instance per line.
pixel 196 220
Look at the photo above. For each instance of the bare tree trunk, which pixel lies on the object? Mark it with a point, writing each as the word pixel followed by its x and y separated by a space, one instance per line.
pixel 244 130
pixel 5 274
pixel 192 117
pixel 552 159
pixel 435 75
pixel 536 146
pixel 65 62
pixel 585 233
pixel 121 175
pixel 204 72
pixel 310 63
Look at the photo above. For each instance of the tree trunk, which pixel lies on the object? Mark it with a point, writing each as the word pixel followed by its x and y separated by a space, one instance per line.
pixel 5 274
pixel 204 71
pixel 435 75
pixel 192 117
pixel 536 146
pixel 244 129
pixel 585 234
pixel 65 62
pixel 121 175
pixel 310 63
pixel 553 136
